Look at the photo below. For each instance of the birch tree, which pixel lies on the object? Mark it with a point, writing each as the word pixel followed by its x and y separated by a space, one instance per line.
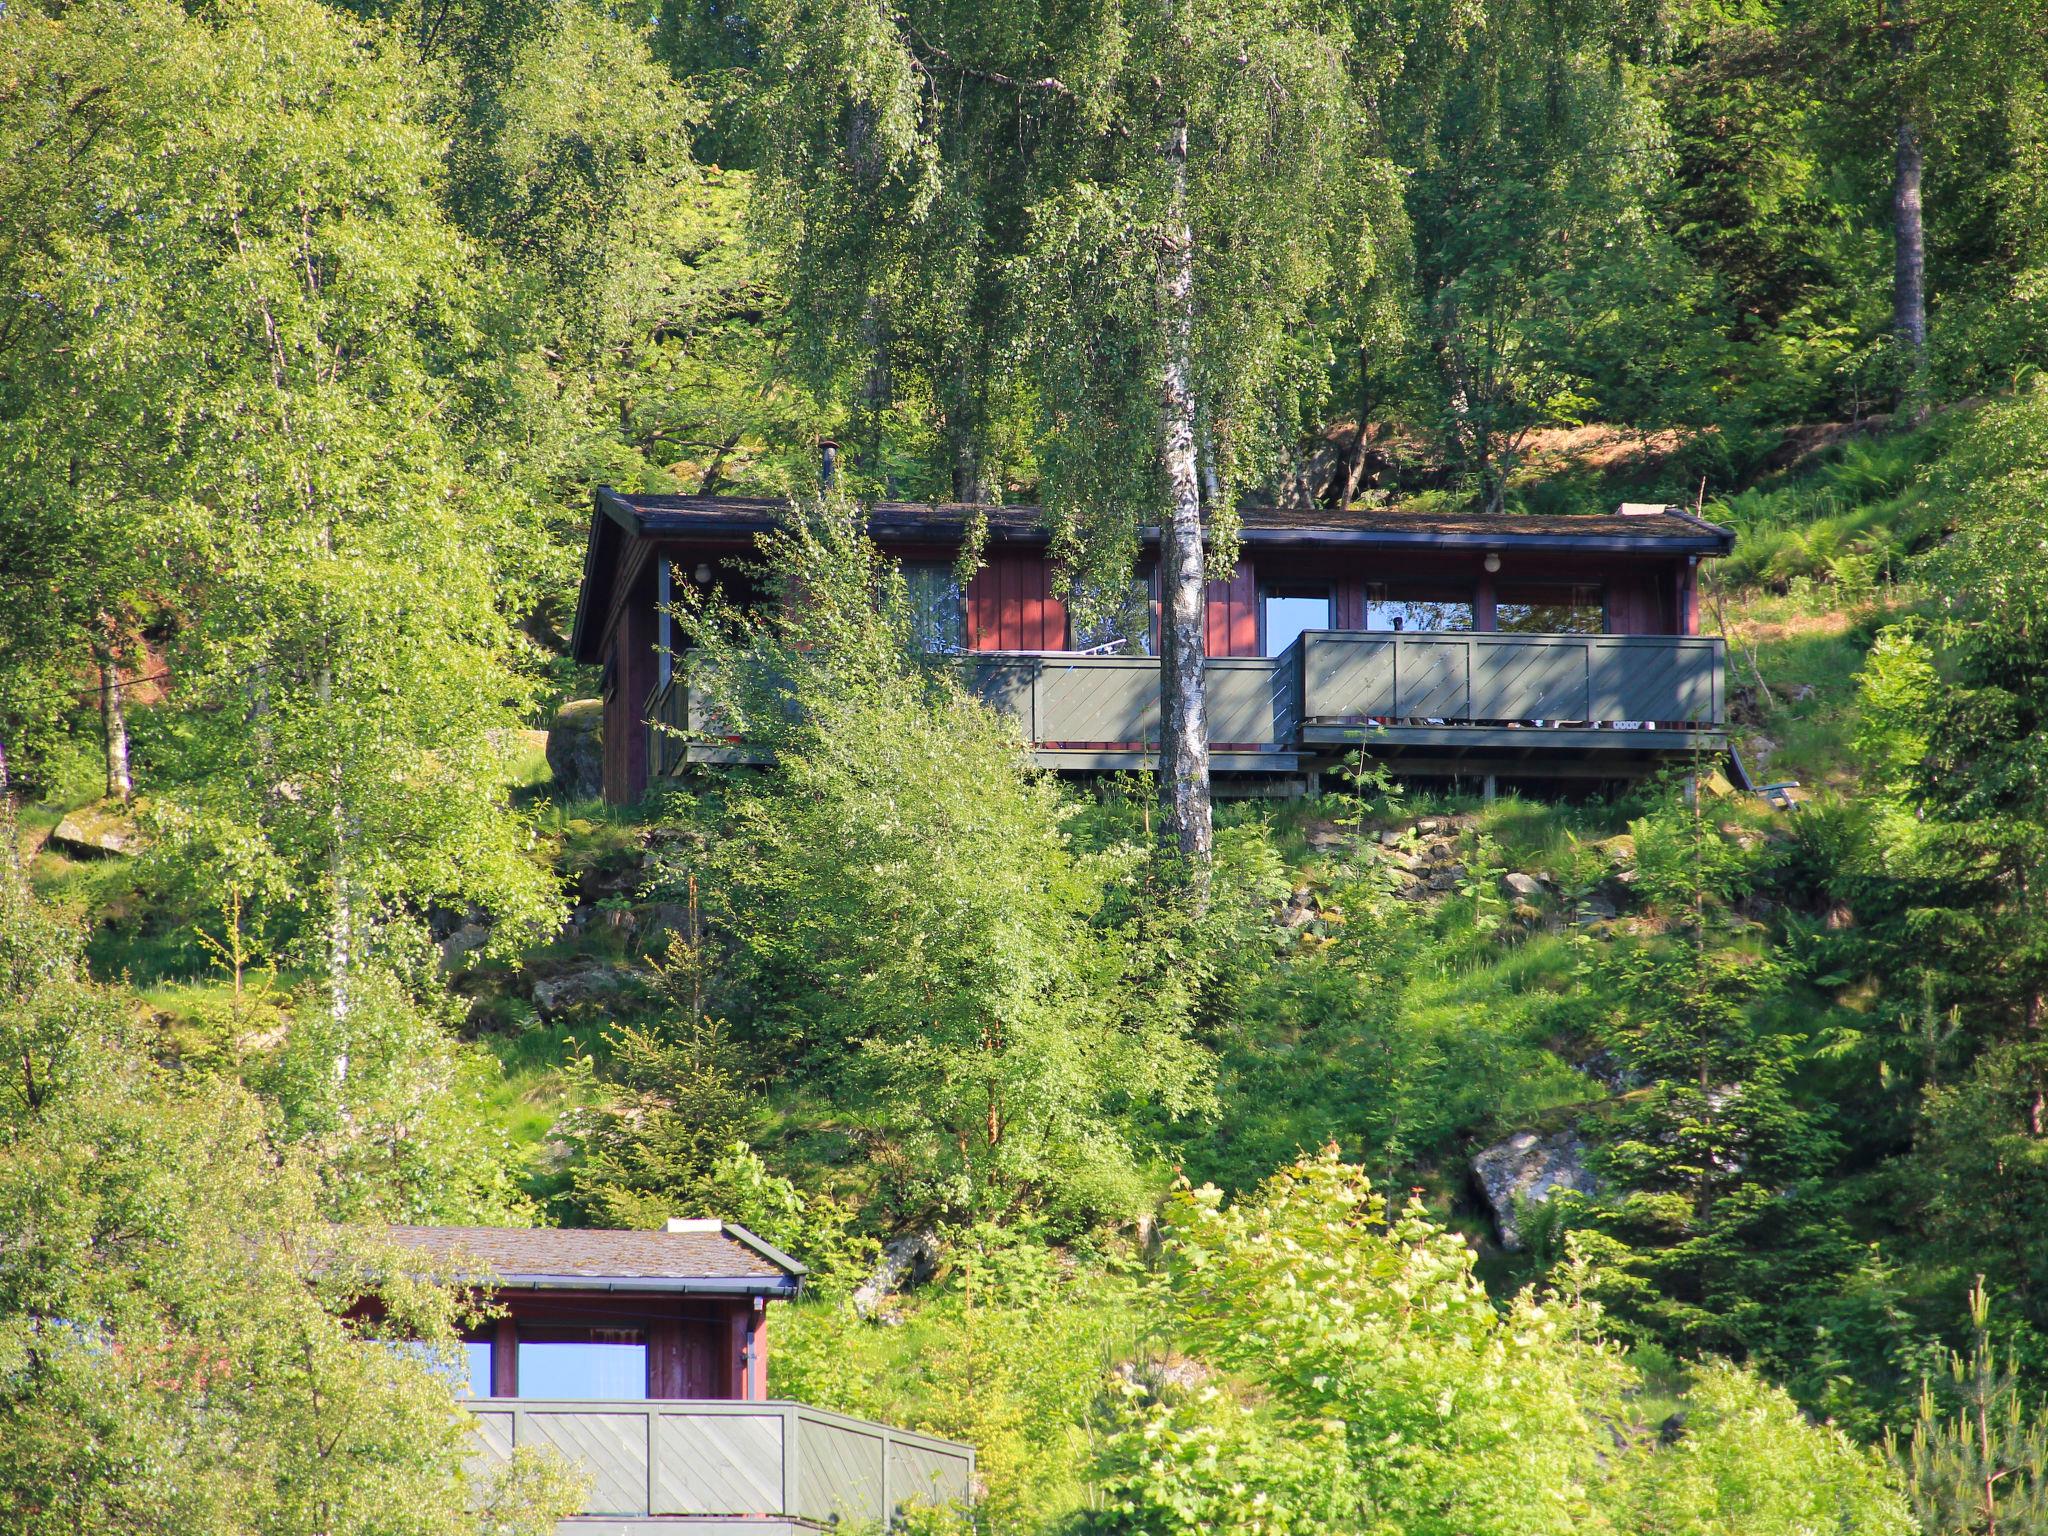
pixel 250 299
pixel 1130 208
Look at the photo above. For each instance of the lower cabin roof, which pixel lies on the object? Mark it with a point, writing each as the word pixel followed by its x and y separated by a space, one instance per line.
pixel 701 1257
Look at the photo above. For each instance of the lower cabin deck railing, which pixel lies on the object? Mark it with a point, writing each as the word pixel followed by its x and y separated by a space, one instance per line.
pixel 733 1460
pixel 1329 687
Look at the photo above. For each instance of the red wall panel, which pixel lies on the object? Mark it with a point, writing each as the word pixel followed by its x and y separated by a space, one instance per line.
pixel 1233 615
pixel 1010 606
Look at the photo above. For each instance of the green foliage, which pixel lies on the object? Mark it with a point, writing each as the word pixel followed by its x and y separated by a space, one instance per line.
pixel 1984 1467
pixel 1008 1349
pixel 1745 1462
pixel 1374 1386
pixel 257 355
pixel 1537 264
pixel 172 1297
pixel 406 1133
pixel 673 1100
pixel 911 925
pixel 817 1230
pixel 1711 1233
pixel 1431 1408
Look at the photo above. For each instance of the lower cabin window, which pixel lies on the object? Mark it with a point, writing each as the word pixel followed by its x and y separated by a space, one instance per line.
pixel 603 1364
pixel 476 1359
pixel 1551 610
pixel 1417 609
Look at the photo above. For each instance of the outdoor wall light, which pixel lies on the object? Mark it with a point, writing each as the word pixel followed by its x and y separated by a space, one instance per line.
pixel 703 575
pixel 1492 561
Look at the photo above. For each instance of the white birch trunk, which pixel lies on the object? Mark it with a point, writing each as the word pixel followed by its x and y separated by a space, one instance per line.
pixel 113 714
pixel 340 905
pixel 1184 723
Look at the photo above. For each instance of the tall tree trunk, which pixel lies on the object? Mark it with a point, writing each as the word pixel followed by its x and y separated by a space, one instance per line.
pixel 1909 266
pixel 10 834
pixel 1354 471
pixel 967 486
pixel 113 713
pixel 1184 724
pixel 1909 240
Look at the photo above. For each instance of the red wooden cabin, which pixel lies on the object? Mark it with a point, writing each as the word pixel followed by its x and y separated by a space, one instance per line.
pixel 1340 629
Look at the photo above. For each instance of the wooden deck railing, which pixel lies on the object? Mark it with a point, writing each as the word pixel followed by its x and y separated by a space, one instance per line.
pixel 648 1460
pixel 1325 688
pixel 1488 679
pixel 1113 701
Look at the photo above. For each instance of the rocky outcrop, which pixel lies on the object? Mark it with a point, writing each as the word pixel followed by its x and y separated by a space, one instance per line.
pixel 576 749
pixel 558 994
pixel 906 1263
pixel 101 830
pixel 460 945
pixel 1528 1168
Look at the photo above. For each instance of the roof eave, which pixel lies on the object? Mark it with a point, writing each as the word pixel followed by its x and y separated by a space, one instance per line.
pixel 777 1285
pixel 763 1247
pixel 1400 538
pixel 606 505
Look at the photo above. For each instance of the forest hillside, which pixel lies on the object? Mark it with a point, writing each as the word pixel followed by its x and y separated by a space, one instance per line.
pixel 1389 1158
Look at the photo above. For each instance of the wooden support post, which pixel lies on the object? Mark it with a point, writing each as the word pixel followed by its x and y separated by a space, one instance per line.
pixel 505 1360
pixel 888 1507
pixel 792 1428
pixel 1487 790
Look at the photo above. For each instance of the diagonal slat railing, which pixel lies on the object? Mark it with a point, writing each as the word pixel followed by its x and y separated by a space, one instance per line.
pixel 739 1460
pixel 1066 705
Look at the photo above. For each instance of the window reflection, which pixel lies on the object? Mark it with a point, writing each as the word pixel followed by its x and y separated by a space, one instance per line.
pixel 602 1364
pixel 1551 610
pixel 1417 610
pixel 1120 631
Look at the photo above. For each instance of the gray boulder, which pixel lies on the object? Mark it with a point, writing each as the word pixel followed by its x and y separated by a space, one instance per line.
pixel 558 994
pixel 97 831
pixel 460 945
pixel 576 749
pixel 1527 1167
pixel 906 1263
pixel 1523 887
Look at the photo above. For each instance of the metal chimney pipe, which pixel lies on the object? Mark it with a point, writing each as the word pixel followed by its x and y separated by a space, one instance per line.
pixel 828 464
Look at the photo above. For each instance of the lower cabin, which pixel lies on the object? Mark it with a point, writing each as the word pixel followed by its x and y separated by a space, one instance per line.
pixel 1562 647
pixel 642 1358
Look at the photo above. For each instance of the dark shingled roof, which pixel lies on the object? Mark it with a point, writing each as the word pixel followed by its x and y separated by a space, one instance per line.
pixel 715 1255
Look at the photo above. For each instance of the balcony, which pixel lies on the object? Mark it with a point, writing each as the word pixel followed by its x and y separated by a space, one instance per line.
pixel 677 1468
pixel 1577 706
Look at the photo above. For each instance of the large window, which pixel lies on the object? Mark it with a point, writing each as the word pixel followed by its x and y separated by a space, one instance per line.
pixel 595 1363
pixel 1409 609
pixel 938 610
pixel 1290 610
pixel 1551 610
